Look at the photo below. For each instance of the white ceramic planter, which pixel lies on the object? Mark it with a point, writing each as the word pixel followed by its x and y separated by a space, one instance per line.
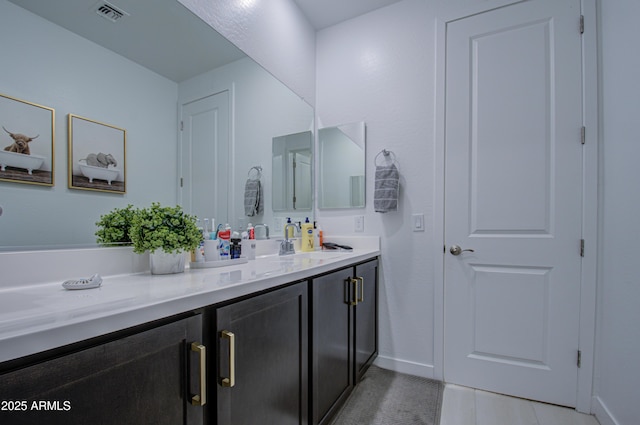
pixel 161 262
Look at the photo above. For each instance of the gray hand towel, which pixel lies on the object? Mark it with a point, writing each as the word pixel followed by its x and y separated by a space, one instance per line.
pixel 253 202
pixel 387 184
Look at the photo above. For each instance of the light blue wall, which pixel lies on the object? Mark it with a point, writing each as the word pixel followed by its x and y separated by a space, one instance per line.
pixel 48 65
pixel 618 336
pixel 379 68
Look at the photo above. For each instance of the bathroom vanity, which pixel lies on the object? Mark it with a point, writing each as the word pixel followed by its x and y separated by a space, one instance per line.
pixel 276 340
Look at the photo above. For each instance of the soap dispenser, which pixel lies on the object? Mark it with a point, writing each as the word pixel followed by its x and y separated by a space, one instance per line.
pixel 288 231
pixel 307 236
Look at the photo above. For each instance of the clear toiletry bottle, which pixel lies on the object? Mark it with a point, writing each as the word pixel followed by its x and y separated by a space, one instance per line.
pixel 213 232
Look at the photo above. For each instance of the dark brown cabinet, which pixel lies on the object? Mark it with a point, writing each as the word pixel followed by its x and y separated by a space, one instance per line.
pixel 150 377
pixel 285 356
pixel 344 326
pixel 262 359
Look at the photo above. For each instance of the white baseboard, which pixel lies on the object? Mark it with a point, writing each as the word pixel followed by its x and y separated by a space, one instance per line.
pixel 603 415
pixel 405 366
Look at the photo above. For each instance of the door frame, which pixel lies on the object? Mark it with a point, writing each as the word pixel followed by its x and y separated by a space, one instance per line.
pixel 590 179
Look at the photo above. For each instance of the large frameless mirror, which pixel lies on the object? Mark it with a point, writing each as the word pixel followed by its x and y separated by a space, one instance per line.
pixel 132 74
pixel 341 151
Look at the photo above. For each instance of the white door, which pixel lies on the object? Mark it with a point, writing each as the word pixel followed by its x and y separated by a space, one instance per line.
pixel 205 157
pixel 302 180
pixel 513 195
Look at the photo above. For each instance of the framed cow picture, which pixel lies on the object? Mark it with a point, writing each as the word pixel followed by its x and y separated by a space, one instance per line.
pixel 26 142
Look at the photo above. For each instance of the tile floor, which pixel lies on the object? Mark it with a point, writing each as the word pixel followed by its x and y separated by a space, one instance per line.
pixel 466 406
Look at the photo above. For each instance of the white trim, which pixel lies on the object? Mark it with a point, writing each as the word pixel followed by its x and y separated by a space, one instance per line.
pixel 602 413
pixel 405 366
pixel 438 199
pixel 589 207
pixel 590 200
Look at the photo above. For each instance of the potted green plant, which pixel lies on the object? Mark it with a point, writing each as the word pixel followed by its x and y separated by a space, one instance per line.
pixel 113 227
pixel 166 233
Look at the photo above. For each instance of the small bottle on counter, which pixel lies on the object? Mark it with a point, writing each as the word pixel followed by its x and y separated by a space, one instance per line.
pixel 307 236
pixel 288 232
pixel 224 242
pixel 318 236
pixel 235 248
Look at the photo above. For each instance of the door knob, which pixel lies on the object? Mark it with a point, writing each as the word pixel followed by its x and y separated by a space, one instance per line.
pixel 456 250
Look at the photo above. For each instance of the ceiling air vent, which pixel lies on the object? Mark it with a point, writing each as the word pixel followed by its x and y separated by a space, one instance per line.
pixel 109 11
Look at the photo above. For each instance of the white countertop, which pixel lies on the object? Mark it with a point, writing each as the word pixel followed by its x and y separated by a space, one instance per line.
pixel 35 318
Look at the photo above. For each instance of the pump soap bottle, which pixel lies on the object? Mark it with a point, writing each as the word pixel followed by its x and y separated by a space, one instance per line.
pixel 288 232
pixel 307 236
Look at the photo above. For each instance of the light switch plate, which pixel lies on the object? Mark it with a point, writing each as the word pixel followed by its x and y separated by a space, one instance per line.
pixel 418 222
pixel 358 223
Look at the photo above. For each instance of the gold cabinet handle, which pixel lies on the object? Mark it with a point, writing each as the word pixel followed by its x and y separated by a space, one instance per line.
pixel 201 399
pixel 231 380
pixel 361 297
pixel 354 300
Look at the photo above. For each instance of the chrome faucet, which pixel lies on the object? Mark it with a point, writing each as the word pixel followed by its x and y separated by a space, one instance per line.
pixel 286 246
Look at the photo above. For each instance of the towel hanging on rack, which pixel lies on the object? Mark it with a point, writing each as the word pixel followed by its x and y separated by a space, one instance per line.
pixel 387 184
pixel 253 197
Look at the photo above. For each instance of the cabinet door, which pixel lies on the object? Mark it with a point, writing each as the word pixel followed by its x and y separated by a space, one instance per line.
pixel 366 317
pixel 263 358
pixel 332 357
pixel 139 379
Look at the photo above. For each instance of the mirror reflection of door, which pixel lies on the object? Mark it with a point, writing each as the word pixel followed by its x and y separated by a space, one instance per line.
pixel 204 187
pixel 292 172
pixel 301 179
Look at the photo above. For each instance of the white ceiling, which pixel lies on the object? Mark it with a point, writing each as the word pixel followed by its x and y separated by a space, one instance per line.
pixel 324 13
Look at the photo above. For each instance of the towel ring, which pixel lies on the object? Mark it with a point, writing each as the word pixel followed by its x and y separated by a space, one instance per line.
pixel 258 172
pixel 388 155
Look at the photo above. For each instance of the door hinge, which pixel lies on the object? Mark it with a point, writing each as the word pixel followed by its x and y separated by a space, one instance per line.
pixel 583 135
pixel 581 24
pixel 181 125
pixel 181 182
pixel 582 247
pixel 579 359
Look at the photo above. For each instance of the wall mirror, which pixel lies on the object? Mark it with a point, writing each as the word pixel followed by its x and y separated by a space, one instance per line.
pixel 341 151
pixel 292 161
pixel 133 72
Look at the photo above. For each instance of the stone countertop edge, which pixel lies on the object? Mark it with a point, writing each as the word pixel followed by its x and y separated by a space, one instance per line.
pixel 52 317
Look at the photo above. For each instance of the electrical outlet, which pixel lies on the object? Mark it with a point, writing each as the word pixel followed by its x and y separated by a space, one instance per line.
pixel 418 222
pixel 358 223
